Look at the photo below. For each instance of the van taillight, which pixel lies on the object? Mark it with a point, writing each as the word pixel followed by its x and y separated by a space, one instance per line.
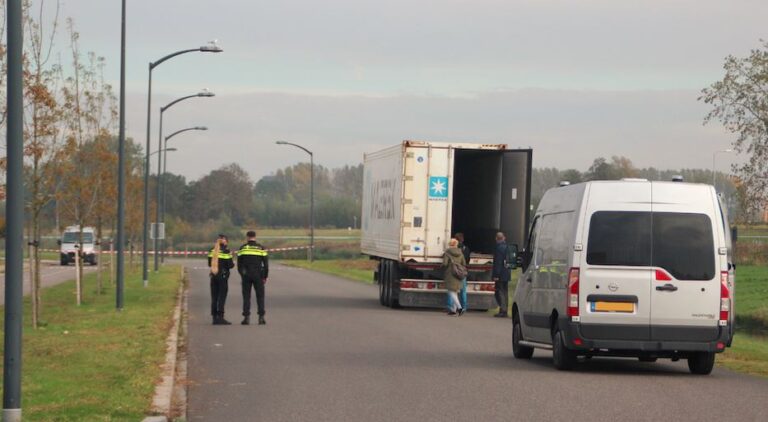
pixel 725 298
pixel 573 292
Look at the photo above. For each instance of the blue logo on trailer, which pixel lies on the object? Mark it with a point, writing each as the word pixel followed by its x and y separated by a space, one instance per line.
pixel 420 159
pixel 438 187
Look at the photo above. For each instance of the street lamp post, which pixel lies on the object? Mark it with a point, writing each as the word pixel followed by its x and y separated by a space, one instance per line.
pixel 311 197
pixel 14 211
pixel 160 157
pixel 165 163
pixel 714 154
pixel 120 282
pixel 211 48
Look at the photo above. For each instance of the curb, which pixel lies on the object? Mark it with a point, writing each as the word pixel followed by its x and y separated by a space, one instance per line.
pixel 162 401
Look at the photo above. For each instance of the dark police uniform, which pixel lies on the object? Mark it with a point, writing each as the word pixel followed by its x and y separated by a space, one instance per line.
pixel 219 283
pixel 253 266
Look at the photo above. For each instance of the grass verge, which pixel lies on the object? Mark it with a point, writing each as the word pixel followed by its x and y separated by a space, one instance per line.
pixel 92 363
pixel 357 269
pixel 748 354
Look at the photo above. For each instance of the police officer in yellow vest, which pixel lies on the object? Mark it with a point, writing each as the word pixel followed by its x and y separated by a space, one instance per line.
pixel 253 266
pixel 220 261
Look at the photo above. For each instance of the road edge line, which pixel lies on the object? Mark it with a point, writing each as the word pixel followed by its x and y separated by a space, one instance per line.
pixel 163 397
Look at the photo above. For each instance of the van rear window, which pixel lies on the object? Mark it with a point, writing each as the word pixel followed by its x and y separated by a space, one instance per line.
pixel 683 245
pixel 680 243
pixel 620 238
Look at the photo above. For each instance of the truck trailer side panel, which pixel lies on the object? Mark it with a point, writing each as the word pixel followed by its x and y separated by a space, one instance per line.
pixel 382 203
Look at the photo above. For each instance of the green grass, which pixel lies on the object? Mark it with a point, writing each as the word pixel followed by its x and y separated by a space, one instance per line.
pixel 748 354
pixel 358 269
pixel 752 297
pixel 91 363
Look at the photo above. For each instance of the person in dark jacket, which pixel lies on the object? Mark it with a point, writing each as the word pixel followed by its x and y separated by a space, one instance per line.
pixel 501 274
pixel 220 262
pixel 253 266
pixel 453 256
pixel 465 251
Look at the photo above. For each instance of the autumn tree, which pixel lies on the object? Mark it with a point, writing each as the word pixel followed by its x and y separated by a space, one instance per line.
pixel 740 103
pixel 42 129
pixel 90 115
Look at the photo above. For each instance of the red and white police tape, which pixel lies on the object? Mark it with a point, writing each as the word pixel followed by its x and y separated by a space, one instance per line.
pixel 186 253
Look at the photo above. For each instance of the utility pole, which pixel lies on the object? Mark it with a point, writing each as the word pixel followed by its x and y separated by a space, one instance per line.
pixel 14 211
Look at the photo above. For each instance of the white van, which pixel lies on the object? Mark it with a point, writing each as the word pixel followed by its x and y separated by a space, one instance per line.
pixel 68 245
pixel 626 268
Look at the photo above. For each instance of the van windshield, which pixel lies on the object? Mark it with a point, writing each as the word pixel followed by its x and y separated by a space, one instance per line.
pixel 680 243
pixel 73 237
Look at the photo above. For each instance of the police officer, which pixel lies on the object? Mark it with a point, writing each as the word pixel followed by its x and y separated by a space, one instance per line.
pixel 253 266
pixel 220 261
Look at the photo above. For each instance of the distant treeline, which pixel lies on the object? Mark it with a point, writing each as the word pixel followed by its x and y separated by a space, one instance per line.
pixel 227 200
pixel 621 167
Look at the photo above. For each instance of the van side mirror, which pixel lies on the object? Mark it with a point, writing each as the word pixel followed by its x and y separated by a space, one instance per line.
pixel 524 259
pixel 734 234
pixel 58 242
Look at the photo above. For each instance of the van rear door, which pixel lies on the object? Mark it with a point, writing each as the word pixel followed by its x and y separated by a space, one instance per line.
pixel 686 288
pixel 615 273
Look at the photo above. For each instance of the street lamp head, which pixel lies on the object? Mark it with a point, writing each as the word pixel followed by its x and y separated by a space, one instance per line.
pixel 281 142
pixel 211 47
pixel 206 93
pixel 201 127
pixel 171 149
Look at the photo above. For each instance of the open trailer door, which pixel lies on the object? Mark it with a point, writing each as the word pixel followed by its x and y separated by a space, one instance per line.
pixel 516 194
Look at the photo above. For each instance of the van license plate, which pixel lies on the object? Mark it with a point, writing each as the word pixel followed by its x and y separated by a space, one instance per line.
pixel 627 307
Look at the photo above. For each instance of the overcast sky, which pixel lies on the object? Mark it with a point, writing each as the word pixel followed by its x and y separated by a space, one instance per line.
pixel 572 79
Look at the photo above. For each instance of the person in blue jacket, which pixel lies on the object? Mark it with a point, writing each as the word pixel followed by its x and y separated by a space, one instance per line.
pixel 501 275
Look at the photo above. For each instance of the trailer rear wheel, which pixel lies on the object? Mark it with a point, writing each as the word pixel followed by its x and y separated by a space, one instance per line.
pixel 392 280
pixel 380 280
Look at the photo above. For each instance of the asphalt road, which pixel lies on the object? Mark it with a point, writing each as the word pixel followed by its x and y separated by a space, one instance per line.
pixel 52 274
pixel 329 352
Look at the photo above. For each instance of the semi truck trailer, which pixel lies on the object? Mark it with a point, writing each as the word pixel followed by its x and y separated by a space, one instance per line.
pixel 418 194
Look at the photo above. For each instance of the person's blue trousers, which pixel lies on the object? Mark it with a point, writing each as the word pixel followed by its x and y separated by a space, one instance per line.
pixel 462 296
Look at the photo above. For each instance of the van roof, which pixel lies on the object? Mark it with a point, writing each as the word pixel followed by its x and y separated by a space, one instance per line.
pixel 569 198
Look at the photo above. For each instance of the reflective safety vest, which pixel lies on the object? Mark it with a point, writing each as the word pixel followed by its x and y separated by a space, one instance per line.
pixel 222 255
pixel 250 250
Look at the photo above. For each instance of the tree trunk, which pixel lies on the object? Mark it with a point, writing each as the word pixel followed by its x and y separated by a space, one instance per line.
pixel 79 265
pixel 34 264
pixel 130 257
pixel 97 244
pixel 111 262
pixel 31 265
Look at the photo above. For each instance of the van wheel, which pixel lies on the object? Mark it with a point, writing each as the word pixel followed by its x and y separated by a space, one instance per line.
pixel 63 262
pixel 701 363
pixel 563 358
pixel 520 351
